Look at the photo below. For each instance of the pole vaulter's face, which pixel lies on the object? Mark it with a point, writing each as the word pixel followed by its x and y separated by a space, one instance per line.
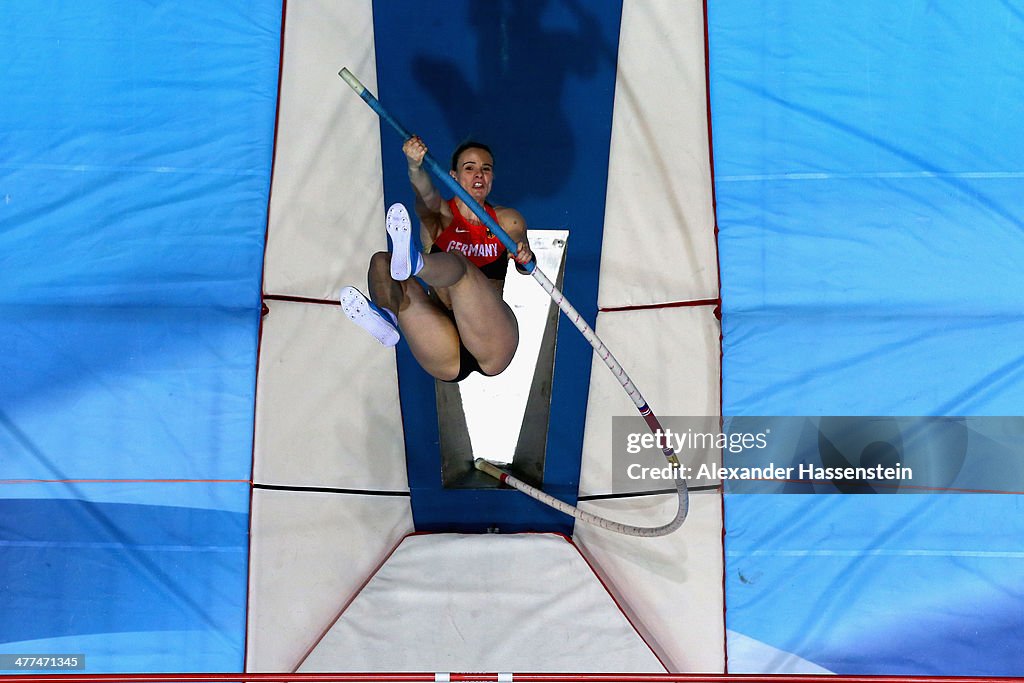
pixel 475 172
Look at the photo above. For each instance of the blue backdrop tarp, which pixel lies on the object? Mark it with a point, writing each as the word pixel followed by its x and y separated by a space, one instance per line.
pixel 868 183
pixel 137 147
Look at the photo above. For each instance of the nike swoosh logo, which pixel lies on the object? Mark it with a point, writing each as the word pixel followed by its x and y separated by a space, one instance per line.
pixel 460 231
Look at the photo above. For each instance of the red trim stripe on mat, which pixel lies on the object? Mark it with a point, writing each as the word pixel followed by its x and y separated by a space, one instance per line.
pixel 432 677
pixel 718 310
pixel 264 310
pixel 124 481
pixel 672 304
pixel 300 299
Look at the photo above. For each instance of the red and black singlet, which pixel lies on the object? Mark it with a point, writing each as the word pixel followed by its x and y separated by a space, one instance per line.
pixel 475 242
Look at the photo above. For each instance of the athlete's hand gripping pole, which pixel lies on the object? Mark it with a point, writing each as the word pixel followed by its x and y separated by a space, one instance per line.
pixel 439 172
pixel 588 333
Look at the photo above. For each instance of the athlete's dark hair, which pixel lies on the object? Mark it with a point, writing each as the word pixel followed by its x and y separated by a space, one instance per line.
pixel 469 144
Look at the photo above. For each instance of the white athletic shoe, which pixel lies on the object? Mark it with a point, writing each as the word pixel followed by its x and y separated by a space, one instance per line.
pixel 380 322
pixel 406 260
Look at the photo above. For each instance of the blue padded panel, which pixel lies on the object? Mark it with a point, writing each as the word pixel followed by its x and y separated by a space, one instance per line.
pixel 534 80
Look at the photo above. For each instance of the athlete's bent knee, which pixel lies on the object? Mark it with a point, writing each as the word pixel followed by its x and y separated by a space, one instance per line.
pixel 496 365
pixel 463 266
pixel 381 261
pixel 446 372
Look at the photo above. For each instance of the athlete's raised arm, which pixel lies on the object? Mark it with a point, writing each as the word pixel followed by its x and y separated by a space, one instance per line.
pixel 428 199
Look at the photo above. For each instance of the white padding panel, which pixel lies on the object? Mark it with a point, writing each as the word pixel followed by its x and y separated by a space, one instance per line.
pixel 310 553
pixel 327 411
pixel 659 242
pixel 671 354
pixel 326 204
pixel 483 603
pixel 670 586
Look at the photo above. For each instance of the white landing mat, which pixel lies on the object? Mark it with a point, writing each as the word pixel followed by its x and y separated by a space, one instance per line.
pixel 448 602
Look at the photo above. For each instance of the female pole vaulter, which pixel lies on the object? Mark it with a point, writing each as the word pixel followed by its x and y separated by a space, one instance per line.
pixel 418 157
pixel 460 325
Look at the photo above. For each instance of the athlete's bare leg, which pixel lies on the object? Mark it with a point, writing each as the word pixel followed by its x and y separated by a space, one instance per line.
pixel 427 329
pixel 486 324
